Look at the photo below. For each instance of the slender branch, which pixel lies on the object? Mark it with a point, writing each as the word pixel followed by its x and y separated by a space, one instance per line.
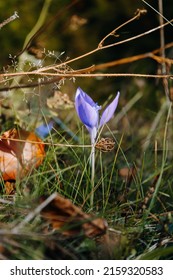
pixel 42 70
pixel 113 32
pixel 162 51
pixel 106 47
pixel 45 143
pixel 87 75
pixel 162 37
pixel 160 14
pixel 99 67
pixel 32 85
pixel 8 20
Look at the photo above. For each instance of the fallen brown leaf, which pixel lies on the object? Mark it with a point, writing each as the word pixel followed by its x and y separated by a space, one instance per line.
pixel 63 215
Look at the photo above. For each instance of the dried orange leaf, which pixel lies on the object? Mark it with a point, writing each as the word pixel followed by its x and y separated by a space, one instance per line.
pixel 20 152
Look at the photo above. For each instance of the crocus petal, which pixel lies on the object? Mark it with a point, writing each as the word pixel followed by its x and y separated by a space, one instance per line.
pixel 109 111
pixel 86 112
pixel 44 129
pixel 87 98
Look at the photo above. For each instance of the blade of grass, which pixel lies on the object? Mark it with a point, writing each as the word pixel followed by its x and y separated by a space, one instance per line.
pixel 164 158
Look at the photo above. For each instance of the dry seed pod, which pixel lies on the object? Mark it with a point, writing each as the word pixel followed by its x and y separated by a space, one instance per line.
pixel 105 145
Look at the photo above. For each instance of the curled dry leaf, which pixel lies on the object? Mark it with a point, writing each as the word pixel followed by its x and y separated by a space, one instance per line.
pixel 20 152
pixel 63 215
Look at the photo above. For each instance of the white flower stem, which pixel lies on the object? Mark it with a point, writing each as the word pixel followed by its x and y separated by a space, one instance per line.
pixel 92 174
pixel 93 134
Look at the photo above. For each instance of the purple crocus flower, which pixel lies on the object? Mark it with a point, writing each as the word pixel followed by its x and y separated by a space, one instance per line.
pixel 88 112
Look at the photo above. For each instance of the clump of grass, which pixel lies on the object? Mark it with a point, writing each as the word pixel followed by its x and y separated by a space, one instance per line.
pixel 138 210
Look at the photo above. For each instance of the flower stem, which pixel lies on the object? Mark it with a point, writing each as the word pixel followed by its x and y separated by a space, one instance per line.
pixel 92 174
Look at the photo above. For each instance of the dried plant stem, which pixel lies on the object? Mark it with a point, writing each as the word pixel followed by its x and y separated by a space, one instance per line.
pixel 160 14
pixel 162 37
pixel 111 45
pixel 101 66
pixel 164 64
pixel 99 47
pixel 55 70
pixel 46 143
pixel 113 32
pixel 86 75
pixel 8 20
pixel 162 51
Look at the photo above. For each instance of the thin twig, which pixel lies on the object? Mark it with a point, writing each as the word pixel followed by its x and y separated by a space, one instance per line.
pixel 46 143
pixel 32 85
pixel 105 47
pixel 87 75
pixel 162 51
pixel 160 14
pixel 101 66
pixel 113 32
pixel 162 36
pixel 54 68
pixel 8 20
